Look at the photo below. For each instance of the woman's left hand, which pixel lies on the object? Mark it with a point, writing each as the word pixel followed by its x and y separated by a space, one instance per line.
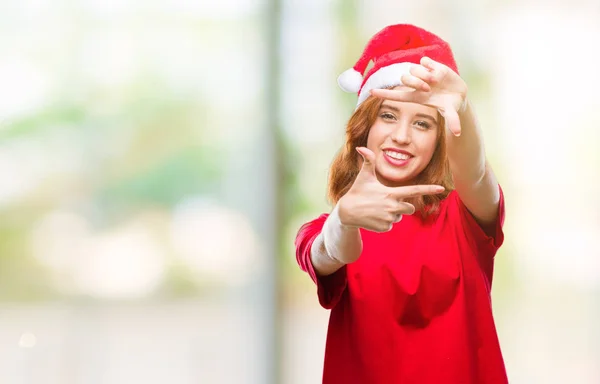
pixel 435 85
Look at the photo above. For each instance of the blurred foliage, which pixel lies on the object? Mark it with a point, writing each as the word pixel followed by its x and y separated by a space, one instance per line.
pixel 351 42
pixel 179 282
pixel 21 277
pixel 144 152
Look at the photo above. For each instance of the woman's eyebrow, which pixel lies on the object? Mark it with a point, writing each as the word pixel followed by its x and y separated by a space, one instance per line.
pixel 390 107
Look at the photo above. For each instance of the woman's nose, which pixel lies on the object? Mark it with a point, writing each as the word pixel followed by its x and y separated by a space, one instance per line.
pixel 402 133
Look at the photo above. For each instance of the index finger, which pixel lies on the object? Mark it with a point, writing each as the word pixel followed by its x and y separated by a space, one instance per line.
pixel 433 65
pixel 413 96
pixel 417 190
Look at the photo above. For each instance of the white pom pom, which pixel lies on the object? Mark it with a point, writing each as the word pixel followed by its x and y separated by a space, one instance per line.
pixel 350 80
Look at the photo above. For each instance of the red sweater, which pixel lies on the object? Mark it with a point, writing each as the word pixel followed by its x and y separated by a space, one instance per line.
pixel 415 307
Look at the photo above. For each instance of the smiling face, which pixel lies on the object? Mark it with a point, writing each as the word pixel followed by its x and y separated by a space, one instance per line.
pixel 403 139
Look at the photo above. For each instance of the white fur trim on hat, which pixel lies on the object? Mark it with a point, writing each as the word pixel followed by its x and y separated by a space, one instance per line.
pixel 385 77
pixel 350 80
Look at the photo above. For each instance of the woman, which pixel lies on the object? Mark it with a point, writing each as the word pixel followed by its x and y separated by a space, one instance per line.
pixel 405 258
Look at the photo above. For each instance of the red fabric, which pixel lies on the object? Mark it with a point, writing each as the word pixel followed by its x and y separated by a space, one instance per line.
pixel 401 43
pixel 415 308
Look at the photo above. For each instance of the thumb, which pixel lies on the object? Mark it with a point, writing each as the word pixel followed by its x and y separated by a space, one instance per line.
pixel 368 165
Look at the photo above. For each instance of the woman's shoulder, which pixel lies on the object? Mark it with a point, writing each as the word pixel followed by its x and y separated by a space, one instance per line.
pixel 313 225
pixel 319 219
pixel 438 211
pixel 454 213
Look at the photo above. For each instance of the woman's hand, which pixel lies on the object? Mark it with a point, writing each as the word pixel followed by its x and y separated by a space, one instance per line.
pixel 435 85
pixel 373 206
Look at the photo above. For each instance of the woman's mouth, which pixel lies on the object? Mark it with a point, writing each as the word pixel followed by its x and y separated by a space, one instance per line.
pixel 397 158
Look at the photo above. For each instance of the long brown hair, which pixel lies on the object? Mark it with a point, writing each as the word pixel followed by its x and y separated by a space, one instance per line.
pixel 346 164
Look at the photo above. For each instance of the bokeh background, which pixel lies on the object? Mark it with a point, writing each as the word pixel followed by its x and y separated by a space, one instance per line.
pixel 158 157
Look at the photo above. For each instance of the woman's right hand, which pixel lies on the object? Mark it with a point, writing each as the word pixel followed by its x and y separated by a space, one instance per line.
pixel 373 206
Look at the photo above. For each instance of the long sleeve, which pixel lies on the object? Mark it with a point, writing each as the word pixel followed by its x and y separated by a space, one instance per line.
pixel 329 288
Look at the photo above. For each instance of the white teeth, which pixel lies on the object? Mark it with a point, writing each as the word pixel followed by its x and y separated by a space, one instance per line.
pixel 397 155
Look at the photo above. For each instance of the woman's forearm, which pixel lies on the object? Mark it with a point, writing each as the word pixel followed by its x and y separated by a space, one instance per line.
pixel 336 245
pixel 473 177
pixel 466 153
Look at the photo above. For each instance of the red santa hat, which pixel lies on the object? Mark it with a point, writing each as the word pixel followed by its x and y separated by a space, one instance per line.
pixel 393 51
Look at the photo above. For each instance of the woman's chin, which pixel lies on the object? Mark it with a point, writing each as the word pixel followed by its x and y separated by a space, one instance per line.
pixel 397 176
pixel 395 180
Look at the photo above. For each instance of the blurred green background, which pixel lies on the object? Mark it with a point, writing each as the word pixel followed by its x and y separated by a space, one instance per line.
pixel 157 159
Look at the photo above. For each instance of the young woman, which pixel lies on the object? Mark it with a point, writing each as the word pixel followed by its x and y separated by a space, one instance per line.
pixel 405 258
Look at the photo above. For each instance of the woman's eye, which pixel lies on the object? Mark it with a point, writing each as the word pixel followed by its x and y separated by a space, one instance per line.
pixel 388 116
pixel 423 124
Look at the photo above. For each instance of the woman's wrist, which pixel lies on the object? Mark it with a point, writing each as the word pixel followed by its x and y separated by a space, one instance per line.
pixel 337 236
pixel 464 109
pixel 342 215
